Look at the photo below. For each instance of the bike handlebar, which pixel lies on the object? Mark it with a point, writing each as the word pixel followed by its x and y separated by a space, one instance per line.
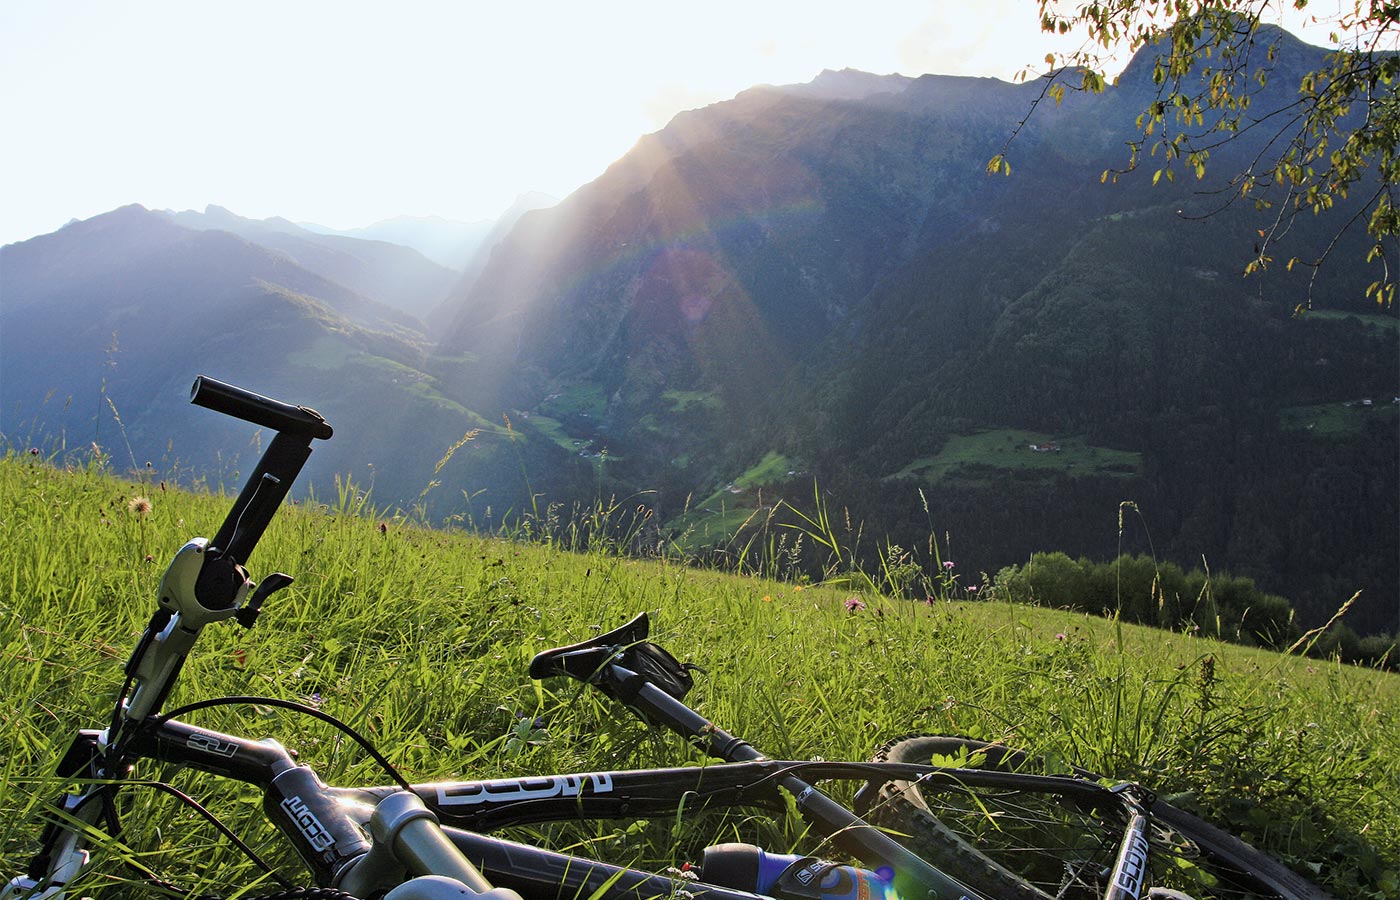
pixel 250 407
pixel 257 503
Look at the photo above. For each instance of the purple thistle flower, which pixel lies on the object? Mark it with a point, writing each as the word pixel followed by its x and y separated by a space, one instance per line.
pixel 853 604
pixel 948 564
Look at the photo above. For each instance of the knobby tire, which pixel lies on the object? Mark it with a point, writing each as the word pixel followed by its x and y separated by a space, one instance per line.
pixel 1030 845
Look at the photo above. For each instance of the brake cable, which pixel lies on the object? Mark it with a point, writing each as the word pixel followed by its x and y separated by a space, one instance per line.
pixel 313 712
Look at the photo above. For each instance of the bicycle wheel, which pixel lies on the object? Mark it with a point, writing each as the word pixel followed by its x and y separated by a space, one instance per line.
pixel 1016 844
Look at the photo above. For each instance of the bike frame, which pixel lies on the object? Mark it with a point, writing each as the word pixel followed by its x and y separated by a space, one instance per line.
pixel 325 824
pixel 367 839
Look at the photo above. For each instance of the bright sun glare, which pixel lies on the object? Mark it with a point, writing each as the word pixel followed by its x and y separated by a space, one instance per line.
pixel 344 112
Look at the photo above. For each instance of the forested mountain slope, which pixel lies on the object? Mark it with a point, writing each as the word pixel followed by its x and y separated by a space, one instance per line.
pixel 806 283
pixel 826 272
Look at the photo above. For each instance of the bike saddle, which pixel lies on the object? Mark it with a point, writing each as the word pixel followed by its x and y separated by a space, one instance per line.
pixel 627 645
pixel 582 661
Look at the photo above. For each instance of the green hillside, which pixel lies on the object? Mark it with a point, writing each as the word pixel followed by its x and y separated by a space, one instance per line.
pixel 823 274
pixel 420 638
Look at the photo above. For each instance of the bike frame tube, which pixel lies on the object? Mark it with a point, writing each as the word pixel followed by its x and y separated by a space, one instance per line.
pixel 325 831
pixel 1125 882
pixel 496 803
pixel 913 876
pixel 545 874
pixel 324 825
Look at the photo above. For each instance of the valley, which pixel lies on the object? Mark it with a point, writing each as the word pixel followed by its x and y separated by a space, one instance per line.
pixel 807 286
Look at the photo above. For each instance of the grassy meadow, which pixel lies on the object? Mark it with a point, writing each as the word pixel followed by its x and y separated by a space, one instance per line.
pixel 1011 449
pixel 420 638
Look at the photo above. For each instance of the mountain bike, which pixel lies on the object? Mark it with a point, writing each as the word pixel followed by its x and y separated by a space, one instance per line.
pixel 929 818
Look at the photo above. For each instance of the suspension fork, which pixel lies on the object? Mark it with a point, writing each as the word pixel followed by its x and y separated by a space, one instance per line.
pixel 1126 881
pixel 62 853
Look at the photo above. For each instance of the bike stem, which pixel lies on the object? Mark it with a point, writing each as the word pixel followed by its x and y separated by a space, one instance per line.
pixel 206 581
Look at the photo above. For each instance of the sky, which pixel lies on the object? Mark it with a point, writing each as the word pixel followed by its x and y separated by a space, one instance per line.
pixel 346 112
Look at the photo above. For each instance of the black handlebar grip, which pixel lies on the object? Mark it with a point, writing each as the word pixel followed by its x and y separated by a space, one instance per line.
pixel 250 407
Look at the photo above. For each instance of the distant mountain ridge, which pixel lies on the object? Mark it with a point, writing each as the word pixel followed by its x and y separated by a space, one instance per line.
pixel 445 242
pixel 105 322
pixel 451 244
pixel 388 273
pixel 809 282
pixel 91 254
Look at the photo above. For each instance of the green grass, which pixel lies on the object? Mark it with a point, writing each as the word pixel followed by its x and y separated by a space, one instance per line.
pixel 421 639
pixel 683 401
pixel 1373 323
pixel 721 515
pixel 1338 421
pixel 554 430
pixel 773 468
pixel 579 400
pixel 1010 449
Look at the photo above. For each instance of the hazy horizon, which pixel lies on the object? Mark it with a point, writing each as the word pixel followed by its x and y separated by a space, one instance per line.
pixel 349 113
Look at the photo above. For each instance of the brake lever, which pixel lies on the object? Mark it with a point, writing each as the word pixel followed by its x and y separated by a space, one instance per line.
pixel 198 589
pixel 249 612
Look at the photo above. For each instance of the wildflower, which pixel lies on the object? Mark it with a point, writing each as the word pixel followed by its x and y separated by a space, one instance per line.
pixel 685 871
pixel 853 604
pixel 33 451
pixel 1061 636
pixel 928 601
pixel 139 506
pixel 796 588
pixel 948 564
pixel 767 598
pixel 972 588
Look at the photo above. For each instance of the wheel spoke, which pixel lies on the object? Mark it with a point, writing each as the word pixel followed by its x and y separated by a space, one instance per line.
pixel 1038 845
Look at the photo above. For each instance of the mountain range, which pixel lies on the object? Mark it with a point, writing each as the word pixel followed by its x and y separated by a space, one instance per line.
pixel 807 283
pixel 445 242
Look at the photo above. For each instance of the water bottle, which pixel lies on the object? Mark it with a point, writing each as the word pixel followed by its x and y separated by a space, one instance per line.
pixel 789 876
